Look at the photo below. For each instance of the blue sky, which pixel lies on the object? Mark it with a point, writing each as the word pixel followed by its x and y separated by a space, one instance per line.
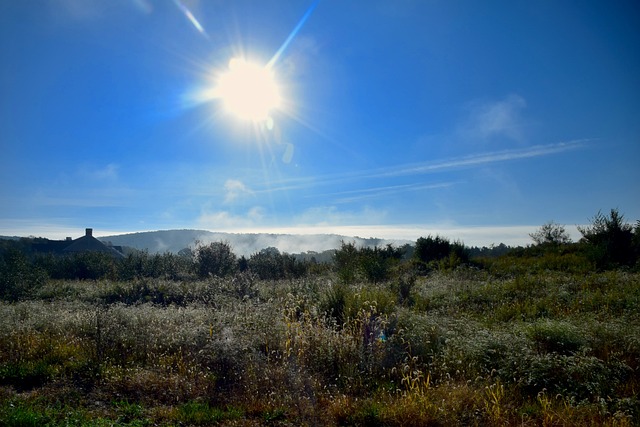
pixel 474 120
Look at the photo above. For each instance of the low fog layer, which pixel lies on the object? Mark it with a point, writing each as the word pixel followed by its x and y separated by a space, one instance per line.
pixel 242 244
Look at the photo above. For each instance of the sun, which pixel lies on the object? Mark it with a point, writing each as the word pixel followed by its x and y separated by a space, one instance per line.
pixel 248 91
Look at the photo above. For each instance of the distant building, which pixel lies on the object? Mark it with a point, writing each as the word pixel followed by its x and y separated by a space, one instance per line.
pixel 86 243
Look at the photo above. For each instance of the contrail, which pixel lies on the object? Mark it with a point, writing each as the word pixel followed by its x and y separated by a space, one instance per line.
pixel 191 18
pixel 293 34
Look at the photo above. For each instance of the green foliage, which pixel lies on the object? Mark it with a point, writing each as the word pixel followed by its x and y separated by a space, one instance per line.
pixel 578 377
pixel 215 259
pixel 404 287
pixel 369 414
pixel 533 338
pixel 26 375
pixel 551 234
pixel 346 262
pixel 194 413
pixel 20 415
pixel 609 240
pixel 537 259
pixel 129 413
pixel 270 264
pixel 335 303
pixel 18 278
pixel 141 264
pixel 439 253
pixel 550 336
pixel 373 265
pixel 83 265
pixel 376 263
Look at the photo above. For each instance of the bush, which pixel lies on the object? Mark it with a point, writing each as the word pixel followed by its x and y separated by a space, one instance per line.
pixel 270 264
pixel 551 234
pixel 140 264
pixel 215 259
pixel 194 413
pixel 439 253
pixel 609 240
pixel 345 262
pixel 551 336
pixel 335 303
pixel 82 266
pixel 577 377
pixel 18 277
pixel 371 264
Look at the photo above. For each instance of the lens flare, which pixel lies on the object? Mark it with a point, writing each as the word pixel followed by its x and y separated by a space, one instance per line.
pixel 293 33
pixel 187 13
pixel 249 91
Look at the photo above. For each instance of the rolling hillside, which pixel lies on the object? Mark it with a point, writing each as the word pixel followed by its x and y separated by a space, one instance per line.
pixel 243 244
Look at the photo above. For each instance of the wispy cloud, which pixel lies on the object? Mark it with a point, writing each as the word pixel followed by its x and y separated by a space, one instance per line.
pixel 425 168
pixel 481 159
pixel 497 119
pixel 376 192
pixel 331 215
pixel 225 220
pixel 235 189
pixel 107 173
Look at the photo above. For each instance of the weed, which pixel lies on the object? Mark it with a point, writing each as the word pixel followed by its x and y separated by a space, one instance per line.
pixel 472 349
pixel 195 413
pixel 20 415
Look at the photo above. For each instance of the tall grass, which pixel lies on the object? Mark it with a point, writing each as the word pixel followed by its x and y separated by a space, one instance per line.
pixel 465 347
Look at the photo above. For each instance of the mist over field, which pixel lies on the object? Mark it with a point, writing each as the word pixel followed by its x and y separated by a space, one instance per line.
pixel 319 213
pixel 242 244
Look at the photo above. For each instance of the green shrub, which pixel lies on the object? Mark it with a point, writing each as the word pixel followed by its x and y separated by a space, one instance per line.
pixel 18 277
pixel 439 253
pixel 270 264
pixel 215 259
pixel 345 261
pixel 373 265
pixel 577 377
pixel 21 415
pixel 404 288
pixel 551 235
pixel 141 264
pixel 26 375
pixel 609 240
pixel 551 336
pixel 335 303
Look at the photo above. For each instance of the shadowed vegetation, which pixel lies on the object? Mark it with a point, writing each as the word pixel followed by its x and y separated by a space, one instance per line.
pixel 538 336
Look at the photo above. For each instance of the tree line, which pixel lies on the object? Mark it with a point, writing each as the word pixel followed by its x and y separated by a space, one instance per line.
pixel 609 242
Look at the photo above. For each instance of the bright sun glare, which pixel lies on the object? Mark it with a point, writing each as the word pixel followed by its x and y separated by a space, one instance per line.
pixel 249 91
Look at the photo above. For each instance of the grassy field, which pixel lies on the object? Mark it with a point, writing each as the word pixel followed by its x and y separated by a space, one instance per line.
pixel 464 347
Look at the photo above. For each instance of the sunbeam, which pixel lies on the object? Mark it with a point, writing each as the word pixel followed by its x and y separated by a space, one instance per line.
pixel 293 34
pixel 190 17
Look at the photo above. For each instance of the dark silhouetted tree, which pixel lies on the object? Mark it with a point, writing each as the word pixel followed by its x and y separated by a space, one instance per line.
pixel 346 262
pixel 551 234
pixel 18 276
pixel 215 259
pixel 270 264
pixel 439 252
pixel 609 240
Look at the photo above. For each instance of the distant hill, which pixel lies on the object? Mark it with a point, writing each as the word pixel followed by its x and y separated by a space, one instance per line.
pixel 242 244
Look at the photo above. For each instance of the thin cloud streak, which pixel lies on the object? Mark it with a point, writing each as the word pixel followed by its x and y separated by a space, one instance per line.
pixel 481 159
pixel 370 193
pixel 476 160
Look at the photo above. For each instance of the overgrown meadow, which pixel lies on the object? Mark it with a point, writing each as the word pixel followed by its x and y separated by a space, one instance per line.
pixel 540 338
